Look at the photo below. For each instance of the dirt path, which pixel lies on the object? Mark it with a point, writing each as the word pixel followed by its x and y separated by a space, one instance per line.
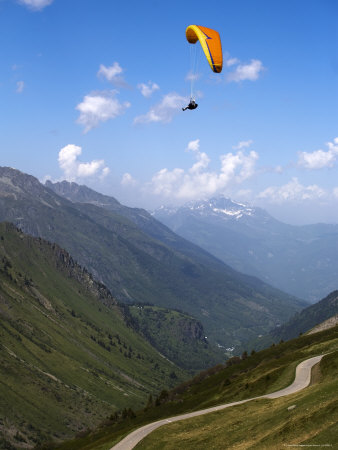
pixel 302 380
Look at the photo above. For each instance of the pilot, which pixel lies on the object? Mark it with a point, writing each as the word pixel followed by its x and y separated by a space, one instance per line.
pixel 192 105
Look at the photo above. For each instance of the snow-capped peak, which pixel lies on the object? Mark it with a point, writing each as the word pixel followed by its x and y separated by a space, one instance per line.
pixel 219 206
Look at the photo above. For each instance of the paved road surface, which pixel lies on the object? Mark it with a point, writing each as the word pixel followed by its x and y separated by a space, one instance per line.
pixel 302 380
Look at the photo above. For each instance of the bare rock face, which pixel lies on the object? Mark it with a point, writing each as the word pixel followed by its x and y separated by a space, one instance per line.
pixel 23 199
pixel 192 329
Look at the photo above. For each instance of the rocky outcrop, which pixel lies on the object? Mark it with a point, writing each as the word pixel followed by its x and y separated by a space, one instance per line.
pixel 191 329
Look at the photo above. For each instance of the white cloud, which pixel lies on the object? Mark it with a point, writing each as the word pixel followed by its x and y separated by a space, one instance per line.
pixel 164 111
pixel 105 172
pixel 194 145
pixel 112 74
pixel 72 168
pixel 316 160
pixel 202 158
pixel 239 166
pixel 99 107
pixel 192 76
pixel 198 181
pixel 148 89
pixel 249 71
pixel 319 158
pixel 20 86
pixel 90 168
pixel 333 145
pixel 36 5
pixel 128 180
pixel 231 61
pixel 292 191
pixel 242 144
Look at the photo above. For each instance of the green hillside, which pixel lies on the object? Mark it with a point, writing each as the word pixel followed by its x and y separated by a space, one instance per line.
pixel 259 424
pixel 68 357
pixel 180 337
pixel 302 321
pixel 306 419
pixel 308 317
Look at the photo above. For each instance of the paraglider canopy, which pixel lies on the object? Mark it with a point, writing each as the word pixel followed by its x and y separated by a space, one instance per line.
pixel 210 42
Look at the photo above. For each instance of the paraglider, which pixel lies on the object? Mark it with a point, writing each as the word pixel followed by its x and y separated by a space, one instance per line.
pixel 192 105
pixel 211 44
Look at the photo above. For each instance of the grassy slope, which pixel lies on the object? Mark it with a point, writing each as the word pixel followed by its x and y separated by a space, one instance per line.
pixel 67 359
pixel 263 424
pixel 265 371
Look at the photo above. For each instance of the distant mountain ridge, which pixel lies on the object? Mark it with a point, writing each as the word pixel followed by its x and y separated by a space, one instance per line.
pixel 140 259
pixel 222 207
pixel 301 260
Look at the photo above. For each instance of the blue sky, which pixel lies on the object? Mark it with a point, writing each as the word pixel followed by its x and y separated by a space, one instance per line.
pixel 92 92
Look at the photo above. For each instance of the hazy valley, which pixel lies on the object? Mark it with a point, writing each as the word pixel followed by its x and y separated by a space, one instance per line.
pixel 300 260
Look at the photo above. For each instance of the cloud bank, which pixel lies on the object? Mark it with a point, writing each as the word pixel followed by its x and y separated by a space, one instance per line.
pixel 198 181
pixel 292 191
pixel 73 169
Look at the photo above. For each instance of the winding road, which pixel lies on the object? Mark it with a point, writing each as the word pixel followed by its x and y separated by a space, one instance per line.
pixel 302 380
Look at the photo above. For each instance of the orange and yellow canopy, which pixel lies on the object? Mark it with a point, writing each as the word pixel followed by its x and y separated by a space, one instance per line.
pixel 210 42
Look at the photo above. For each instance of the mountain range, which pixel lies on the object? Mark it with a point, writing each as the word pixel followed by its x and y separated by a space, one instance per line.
pixel 141 260
pixel 76 354
pixel 300 260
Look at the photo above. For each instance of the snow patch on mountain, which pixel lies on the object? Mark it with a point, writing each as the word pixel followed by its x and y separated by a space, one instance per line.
pixel 222 207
